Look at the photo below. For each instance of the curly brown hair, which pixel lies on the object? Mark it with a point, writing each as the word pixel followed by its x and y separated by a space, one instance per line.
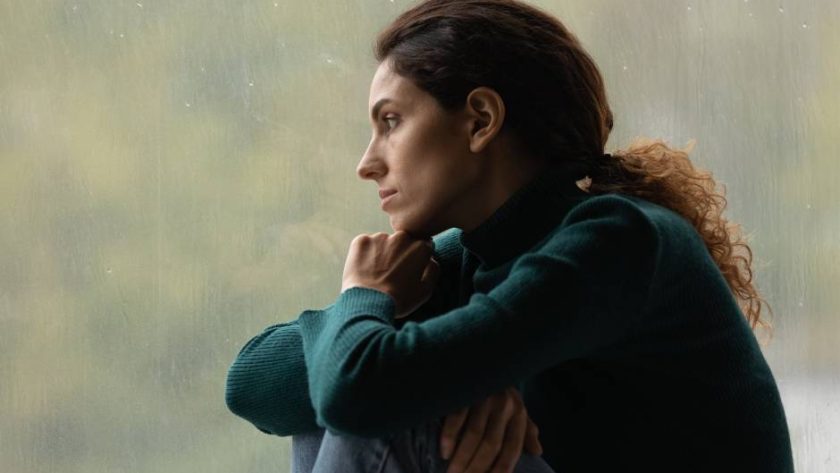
pixel 656 172
pixel 556 107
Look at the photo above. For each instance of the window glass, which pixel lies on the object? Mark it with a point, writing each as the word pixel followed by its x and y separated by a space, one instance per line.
pixel 176 176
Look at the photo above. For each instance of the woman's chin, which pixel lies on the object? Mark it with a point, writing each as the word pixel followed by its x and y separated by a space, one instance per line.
pixel 398 224
pixel 413 229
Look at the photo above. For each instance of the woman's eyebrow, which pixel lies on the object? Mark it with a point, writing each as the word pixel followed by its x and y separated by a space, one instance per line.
pixel 378 106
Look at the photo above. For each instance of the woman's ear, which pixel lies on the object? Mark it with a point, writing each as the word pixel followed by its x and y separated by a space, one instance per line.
pixel 485 112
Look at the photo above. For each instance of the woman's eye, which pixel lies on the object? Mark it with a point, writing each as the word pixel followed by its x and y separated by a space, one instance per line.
pixel 390 118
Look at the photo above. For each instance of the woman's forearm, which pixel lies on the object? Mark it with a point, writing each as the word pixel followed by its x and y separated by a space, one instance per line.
pixel 267 382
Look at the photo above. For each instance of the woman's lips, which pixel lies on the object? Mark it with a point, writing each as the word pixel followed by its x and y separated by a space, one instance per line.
pixel 386 199
pixel 386 192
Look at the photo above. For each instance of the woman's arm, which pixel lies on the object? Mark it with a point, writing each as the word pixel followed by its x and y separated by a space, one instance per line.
pixel 267 384
pixel 578 293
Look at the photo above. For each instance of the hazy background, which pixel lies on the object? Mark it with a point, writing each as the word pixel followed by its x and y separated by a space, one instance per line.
pixel 177 175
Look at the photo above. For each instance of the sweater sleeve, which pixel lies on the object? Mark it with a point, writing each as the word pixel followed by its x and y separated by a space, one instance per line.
pixel 267 382
pixel 576 294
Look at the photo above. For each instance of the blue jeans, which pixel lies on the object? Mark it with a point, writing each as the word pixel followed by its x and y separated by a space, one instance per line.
pixel 414 450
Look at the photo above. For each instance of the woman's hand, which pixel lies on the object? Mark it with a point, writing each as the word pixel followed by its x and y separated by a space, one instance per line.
pixel 496 431
pixel 398 265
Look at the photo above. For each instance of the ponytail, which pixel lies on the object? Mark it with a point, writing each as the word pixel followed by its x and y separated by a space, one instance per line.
pixel 651 170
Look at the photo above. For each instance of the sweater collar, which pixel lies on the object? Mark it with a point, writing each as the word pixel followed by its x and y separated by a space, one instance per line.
pixel 525 218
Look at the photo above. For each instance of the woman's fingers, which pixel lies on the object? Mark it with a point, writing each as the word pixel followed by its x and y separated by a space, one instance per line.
pixel 489 434
pixel 490 445
pixel 513 441
pixel 532 439
pixel 470 437
pixel 449 431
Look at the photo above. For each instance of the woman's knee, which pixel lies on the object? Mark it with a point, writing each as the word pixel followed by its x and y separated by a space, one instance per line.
pixel 413 450
pixel 418 448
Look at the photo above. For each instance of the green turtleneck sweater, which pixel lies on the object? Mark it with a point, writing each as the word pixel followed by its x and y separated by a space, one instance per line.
pixel 606 312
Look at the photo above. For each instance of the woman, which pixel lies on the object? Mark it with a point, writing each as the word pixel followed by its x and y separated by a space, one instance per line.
pixel 532 281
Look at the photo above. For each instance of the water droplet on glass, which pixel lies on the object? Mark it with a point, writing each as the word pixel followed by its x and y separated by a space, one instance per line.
pixel 140 5
pixel 250 84
pixel 804 25
pixel 808 206
pixel 187 104
pixel 781 10
pixel 108 270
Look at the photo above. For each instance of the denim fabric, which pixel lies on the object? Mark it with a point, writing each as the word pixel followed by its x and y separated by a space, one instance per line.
pixel 415 450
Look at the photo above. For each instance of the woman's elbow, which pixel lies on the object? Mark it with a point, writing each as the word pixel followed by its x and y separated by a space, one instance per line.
pixel 245 392
pixel 236 395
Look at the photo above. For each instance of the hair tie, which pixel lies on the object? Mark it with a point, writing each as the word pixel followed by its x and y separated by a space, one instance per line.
pixel 584 184
pixel 593 170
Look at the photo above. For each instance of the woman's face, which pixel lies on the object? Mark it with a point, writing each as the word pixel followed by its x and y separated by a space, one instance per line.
pixel 420 151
